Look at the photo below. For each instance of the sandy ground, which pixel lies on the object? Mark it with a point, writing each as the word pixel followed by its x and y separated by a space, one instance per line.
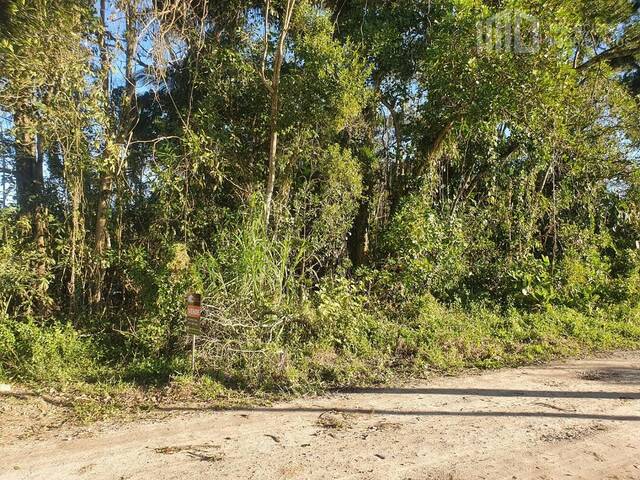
pixel 577 419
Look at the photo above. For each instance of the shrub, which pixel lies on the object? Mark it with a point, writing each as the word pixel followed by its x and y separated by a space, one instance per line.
pixel 22 290
pixel 427 249
pixel 48 354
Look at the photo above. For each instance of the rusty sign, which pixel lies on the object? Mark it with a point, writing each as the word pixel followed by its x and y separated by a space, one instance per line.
pixel 194 312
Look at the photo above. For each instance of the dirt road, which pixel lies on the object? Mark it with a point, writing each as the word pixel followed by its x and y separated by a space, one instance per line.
pixel 578 419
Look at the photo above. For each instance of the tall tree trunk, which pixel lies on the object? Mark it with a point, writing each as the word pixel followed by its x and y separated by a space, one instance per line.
pixel 104 188
pixel 28 167
pixel 40 230
pixel 114 155
pixel 104 194
pixel 29 189
pixel 273 148
pixel 397 180
pixel 358 241
pixel 4 181
pixel 77 240
pixel 274 90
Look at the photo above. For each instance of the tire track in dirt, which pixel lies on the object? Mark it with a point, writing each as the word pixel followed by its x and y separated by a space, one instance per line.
pixel 577 419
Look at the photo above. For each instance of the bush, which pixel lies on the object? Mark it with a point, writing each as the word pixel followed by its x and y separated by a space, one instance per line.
pixel 23 292
pixel 427 250
pixel 47 354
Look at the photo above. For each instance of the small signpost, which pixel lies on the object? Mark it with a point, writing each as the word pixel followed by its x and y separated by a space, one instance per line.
pixel 194 313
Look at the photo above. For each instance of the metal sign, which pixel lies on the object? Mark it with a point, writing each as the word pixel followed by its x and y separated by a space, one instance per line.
pixel 194 312
pixel 194 300
pixel 193 326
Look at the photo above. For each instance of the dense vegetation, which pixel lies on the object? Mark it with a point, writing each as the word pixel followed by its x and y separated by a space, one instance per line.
pixel 357 188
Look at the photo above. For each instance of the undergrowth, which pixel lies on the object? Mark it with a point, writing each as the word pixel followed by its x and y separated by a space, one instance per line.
pixel 333 340
pixel 273 328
